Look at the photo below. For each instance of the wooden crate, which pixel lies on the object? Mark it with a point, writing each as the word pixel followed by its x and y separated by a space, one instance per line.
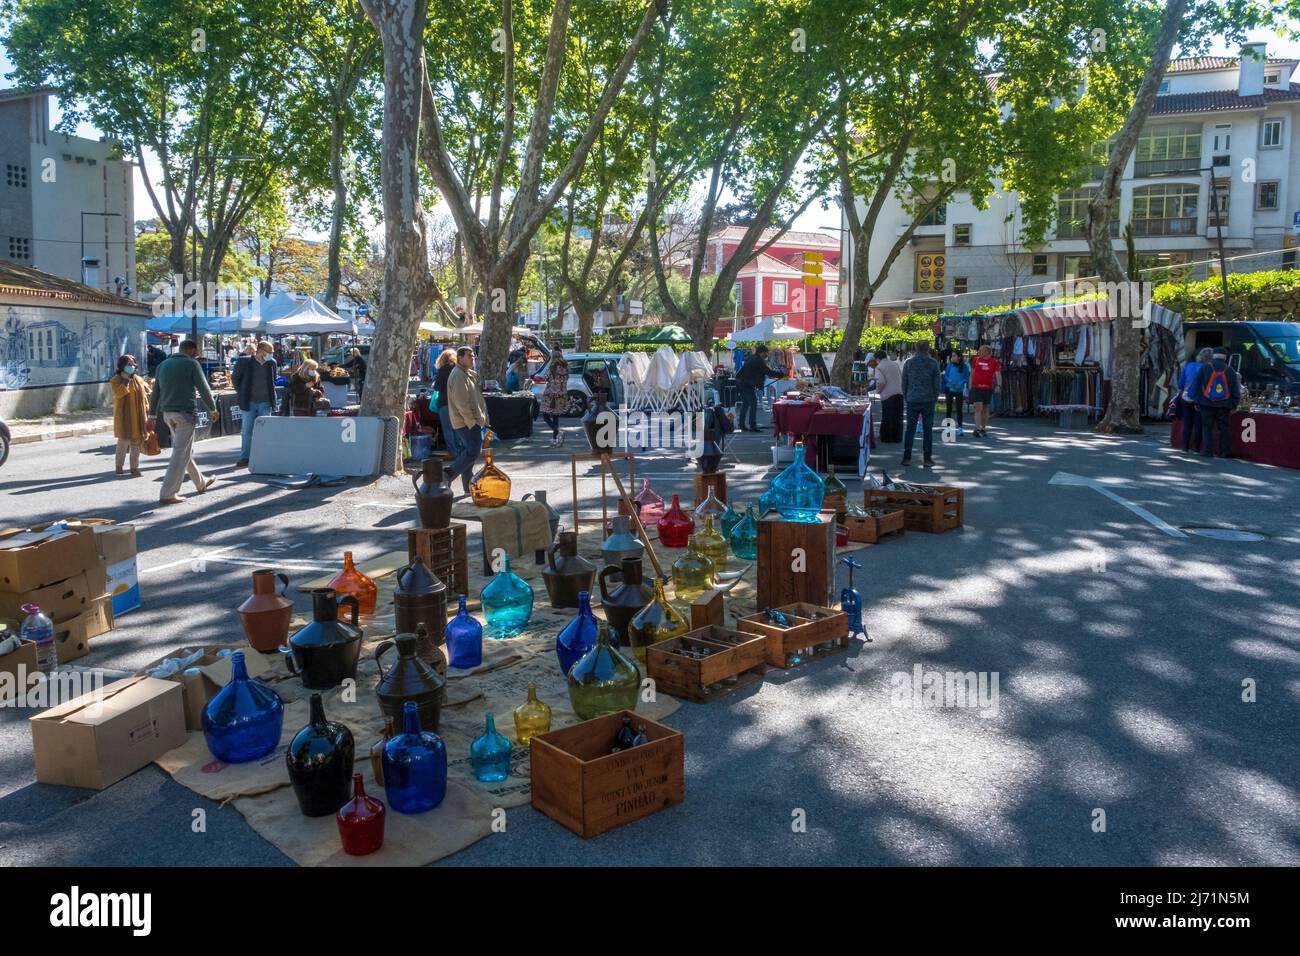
pixel 735 659
pixel 778 582
pixel 935 509
pixel 813 626
pixel 872 530
pixel 717 480
pixel 580 784
pixel 446 553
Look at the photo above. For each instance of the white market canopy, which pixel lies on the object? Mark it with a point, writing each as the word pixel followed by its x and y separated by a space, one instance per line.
pixel 436 328
pixel 280 314
pixel 477 329
pixel 766 331
pixel 309 318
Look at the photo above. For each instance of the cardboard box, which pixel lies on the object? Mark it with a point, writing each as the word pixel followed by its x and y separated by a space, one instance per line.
pixel 123 586
pixel 116 546
pixel 99 738
pixel 72 637
pixel 60 600
pixel 214 674
pixel 33 559
pixel 18 665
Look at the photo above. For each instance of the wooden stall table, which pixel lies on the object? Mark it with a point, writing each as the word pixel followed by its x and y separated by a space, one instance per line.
pixel 812 421
pixel 1277 438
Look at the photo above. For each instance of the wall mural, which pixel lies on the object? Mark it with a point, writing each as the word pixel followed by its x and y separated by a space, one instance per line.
pixel 40 346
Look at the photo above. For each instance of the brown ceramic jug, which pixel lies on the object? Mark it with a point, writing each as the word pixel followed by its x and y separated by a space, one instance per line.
pixel 432 495
pixel 623 603
pixel 409 679
pixel 566 572
pixel 420 598
pixel 265 614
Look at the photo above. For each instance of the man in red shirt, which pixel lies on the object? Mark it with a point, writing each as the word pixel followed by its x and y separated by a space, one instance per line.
pixel 985 378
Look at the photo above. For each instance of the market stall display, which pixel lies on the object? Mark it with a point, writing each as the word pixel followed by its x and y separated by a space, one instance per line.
pixel 1274 437
pixel 511 416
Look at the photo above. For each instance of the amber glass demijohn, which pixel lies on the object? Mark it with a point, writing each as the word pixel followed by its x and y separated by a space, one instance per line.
pixel 491 486
pixel 532 717
pixel 350 582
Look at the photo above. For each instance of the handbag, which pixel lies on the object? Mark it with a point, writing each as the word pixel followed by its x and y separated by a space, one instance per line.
pixel 150 444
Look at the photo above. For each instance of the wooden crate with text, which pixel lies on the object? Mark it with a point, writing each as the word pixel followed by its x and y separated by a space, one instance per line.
pixel 796 560
pixel 815 632
pixel 735 660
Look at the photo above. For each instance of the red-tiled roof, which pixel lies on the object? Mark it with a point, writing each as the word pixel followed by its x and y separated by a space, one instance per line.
pixel 1213 100
pixel 792 238
pixel 17 279
pixel 1206 64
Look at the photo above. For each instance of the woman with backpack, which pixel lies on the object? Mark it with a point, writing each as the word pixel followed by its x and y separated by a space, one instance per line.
pixel 1187 408
pixel 956 383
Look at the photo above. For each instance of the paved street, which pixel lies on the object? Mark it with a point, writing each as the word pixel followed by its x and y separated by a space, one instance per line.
pixel 1120 653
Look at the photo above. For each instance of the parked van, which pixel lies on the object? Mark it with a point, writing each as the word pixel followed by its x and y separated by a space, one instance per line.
pixel 1265 353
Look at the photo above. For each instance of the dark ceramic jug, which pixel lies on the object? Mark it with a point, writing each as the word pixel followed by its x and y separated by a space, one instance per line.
pixel 325 651
pixel 622 604
pixel 266 614
pixel 432 495
pixel 596 424
pixel 409 679
pixel 421 598
pixel 320 760
pixel 567 573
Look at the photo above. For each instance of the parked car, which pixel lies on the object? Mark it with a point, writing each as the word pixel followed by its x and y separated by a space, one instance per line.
pixel 339 354
pixel 4 441
pixel 579 390
pixel 1265 353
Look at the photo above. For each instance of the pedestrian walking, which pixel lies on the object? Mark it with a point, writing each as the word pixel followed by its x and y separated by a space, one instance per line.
pixel 889 384
pixel 1188 410
pixel 305 393
pixel 1217 392
pixel 985 379
pixel 445 366
pixel 130 412
pixel 956 383
pixel 356 367
pixel 468 415
pixel 749 382
pixel 254 381
pixel 555 397
pixel 179 387
pixel 922 381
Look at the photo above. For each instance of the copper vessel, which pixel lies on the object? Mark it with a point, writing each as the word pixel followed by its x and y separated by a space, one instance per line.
pixel 567 572
pixel 266 614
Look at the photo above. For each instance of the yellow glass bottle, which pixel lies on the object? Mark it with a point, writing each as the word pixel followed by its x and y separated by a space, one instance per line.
pixel 692 572
pixel 657 621
pixel 532 717
pixel 712 545
pixel 491 486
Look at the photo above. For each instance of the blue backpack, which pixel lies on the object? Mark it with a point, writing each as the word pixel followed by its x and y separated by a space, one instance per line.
pixel 1216 388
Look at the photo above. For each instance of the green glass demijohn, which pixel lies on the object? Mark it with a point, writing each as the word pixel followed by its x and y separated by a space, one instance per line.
pixel 657 621
pixel 692 572
pixel 507 603
pixel 799 490
pixel 605 681
pixel 834 492
pixel 744 536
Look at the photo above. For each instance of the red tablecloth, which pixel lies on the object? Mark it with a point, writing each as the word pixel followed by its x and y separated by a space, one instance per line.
pixel 1277 438
pixel 810 420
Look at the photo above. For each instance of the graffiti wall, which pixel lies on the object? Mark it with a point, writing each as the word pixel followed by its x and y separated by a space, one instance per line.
pixel 48 347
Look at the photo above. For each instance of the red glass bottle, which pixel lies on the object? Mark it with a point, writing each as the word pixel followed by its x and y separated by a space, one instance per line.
pixel 675 526
pixel 361 821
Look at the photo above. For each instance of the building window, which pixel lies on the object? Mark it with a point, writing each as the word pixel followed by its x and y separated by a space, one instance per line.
pixel 961 234
pixel 960 284
pixel 20 249
pixel 1079 267
pixel 938 216
pixel 1274 77
pixel 930 270
pixel 1266 195
pixel 1271 134
pixel 15 176
pixel 1171 148
pixel 1165 210
pixel 1072 214
pixel 780 293
pixel 1219 200
pixel 1098 160
pixel 1222 138
pixel 1038 264
pixel 1163 88
pixel 832 294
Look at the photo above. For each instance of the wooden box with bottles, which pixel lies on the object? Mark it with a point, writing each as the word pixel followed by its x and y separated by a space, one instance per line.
pixel 445 552
pixel 796 560
pixel 581 784
pixel 870 529
pixel 814 632
pixel 929 508
pixel 734 659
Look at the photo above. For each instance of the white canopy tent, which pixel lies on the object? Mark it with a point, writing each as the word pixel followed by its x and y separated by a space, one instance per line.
pixel 477 329
pixel 309 318
pixel 435 328
pixel 765 331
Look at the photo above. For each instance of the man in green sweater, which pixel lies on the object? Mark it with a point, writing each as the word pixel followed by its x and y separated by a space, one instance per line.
pixel 176 383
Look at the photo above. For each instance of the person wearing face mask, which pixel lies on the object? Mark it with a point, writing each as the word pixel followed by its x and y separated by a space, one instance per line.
pixel 254 381
pixel 304 389
pixel 130 412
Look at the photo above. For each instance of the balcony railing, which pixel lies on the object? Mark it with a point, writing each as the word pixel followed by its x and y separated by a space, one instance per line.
pixel 1155 167
pixel 1165 227
pixel 1074 230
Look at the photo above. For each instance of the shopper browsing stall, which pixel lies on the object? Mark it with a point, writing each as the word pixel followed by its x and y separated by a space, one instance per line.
pixel 1217 392
pixel 921 383
pixel 985 379
pixel 1188 410
pixel 749 382
pixel 956 383
pixel 888 376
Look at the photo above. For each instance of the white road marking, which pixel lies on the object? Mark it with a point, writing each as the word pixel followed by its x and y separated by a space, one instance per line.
pixel 202 556
pixel 1065 478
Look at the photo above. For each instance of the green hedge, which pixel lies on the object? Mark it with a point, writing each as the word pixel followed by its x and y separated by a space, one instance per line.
pixel 1270 296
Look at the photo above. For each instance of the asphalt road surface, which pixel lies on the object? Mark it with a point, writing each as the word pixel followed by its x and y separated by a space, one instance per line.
pixel 1122 652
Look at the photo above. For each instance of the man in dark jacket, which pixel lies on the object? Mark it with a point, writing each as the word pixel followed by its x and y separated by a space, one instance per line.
pixel 254 381
pixel 921 384
pixel 1216 391
pixel 751 377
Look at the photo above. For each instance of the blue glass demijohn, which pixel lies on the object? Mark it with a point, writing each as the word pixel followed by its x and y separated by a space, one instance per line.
pixel 464 638
pixel 489 755
pixel 415 766
pixel 507 602
pixel 799 490
pixel 578 636
pixel 744 537
pixel 243 722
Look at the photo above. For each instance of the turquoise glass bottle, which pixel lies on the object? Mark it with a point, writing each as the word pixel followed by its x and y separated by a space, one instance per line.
pixel 799 490
pixel 464 639
pixel 578 636
pixel 415 766
pixel 489 755
pixel 744 536
pixel 507 602
pixel 767 500
pixel 733 514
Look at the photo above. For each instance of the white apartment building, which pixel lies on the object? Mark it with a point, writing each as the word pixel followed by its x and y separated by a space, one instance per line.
pixel 1226 121
pixel 53 186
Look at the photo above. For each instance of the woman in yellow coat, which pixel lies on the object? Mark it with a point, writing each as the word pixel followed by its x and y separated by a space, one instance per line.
pixel 130 412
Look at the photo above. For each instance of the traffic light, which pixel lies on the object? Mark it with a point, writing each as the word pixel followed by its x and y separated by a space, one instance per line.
pixel 812 268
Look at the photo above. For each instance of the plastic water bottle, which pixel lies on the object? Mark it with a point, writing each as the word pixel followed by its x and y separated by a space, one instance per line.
pixel 39 628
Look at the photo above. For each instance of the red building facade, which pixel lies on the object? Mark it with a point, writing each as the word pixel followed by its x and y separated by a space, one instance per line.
pixel 773 283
